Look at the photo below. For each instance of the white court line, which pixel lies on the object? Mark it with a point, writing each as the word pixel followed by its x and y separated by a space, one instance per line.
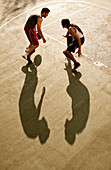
pixel 59 2
pixel 72 2
pixel 58 19
pixel 55 39
pixel 29 13
pixel 103 7
pixel 69 15
pixel 12 19
pixel 97 63
pixel 22 14
pixel 49 3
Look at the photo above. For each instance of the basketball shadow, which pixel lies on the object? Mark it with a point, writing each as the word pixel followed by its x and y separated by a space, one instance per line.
pixel 80 105
pixel 29 113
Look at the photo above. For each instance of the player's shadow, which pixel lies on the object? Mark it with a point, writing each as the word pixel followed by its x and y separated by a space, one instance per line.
pixel 80 105
pixel 29 113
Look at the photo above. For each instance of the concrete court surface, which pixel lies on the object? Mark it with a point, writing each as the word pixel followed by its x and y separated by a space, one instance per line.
pixel 51 118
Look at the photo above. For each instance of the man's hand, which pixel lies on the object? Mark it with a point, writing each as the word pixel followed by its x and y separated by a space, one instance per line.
pixel 79 53
pixel 44 40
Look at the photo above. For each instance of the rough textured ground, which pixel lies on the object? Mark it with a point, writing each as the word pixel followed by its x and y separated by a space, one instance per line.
pixel 51 118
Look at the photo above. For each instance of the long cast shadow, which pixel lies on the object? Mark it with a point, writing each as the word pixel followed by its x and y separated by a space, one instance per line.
pixel 29 113
pixel 80 105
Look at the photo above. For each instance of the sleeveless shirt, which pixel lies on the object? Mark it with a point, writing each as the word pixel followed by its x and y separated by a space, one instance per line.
pixel 77 32
pixel 32 21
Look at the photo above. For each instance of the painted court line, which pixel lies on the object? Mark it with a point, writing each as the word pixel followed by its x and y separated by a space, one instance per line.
pixel 34 11
pixel 49 3
pixel 55 39
pixel 58 2
pixel 96 63
pixel 68 15
pixel 22 14
pixel 12 19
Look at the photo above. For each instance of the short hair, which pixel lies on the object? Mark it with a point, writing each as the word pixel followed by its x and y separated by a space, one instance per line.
pixel 45 10
pixel 65 22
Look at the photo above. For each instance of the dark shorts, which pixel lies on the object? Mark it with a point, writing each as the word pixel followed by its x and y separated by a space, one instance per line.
pixel 72 47
pixel 31 35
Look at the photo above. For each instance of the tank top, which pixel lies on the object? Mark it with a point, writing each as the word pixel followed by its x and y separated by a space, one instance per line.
pixel 32 21
pixel 77 32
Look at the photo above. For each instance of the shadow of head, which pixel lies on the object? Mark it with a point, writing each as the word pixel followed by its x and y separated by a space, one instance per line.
pixel 37 60
pixel 70 135
pixel 44 131
pixel 34 128
pixel 30 67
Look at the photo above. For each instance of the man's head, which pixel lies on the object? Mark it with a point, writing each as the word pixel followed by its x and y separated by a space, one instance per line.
pixel 45 12
pixel 65 23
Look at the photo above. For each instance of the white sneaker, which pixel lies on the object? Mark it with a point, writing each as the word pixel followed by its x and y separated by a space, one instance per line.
pixel 25 56
pixel 27 49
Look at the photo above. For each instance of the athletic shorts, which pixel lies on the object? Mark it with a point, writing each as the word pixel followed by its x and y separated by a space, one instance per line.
pixel 31 35
pixel 72 47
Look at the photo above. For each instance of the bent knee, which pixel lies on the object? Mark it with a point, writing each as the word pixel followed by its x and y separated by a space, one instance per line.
pixel 35 46
pixel 65 52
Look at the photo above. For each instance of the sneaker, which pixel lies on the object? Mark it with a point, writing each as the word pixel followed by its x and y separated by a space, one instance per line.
pixel 25 56
pixel 27 49
pixel 76 66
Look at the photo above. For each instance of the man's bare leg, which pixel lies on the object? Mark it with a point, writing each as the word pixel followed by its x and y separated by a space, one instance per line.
pixel 32 49
pixel 69 55
pixel 30 45
pixel 29 52
pixel 27 48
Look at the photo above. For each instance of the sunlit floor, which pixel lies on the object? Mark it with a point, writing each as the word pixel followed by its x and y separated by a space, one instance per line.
pixel 51 118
